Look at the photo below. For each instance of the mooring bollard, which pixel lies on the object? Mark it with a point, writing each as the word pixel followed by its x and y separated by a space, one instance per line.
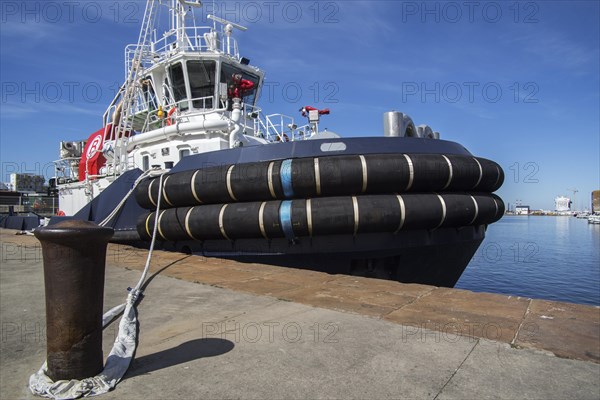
pixel 74 261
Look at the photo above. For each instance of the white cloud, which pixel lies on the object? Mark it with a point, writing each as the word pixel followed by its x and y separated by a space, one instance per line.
pixel 26 110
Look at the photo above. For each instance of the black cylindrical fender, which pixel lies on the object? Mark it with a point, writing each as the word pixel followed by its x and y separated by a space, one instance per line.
pixel 340 215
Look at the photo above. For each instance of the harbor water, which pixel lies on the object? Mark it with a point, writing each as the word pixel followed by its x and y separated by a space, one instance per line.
pixel 553 258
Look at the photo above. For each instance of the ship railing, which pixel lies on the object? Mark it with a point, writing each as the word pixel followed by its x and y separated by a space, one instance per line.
pixel 195 39
pixel 302 132
pixel 250 115
pixel 66 170
pixel 275 127
pixel 146 61
pixel 192 40
pixel 282 125
pixel 189 39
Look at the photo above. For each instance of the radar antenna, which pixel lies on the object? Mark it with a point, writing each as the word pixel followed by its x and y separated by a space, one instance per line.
pixel 226 23
pixel 227 28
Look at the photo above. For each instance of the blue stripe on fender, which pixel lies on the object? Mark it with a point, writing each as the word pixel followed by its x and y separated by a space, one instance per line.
pixel 285 173
pixel 285 218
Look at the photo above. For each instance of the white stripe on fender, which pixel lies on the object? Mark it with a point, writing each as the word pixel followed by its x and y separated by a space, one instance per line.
pixel 443 211
pixel 480 173
pixel 229 188
pixel 363 163
pixel 402 212
pixel 187 224
pixel 309 221
pixel 261 222
pixel 411 172
pixel 450 171
pixel 317 176
pixel 476 210
pixel 270 179
pixel 221 226
pixel 159 220
pixel 356 215
pixel 150 194
pixel 164 191
pixel 194 188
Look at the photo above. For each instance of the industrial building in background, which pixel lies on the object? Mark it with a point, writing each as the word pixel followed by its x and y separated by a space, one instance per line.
pixel 27 183
pixel 596 202
pixel 521 210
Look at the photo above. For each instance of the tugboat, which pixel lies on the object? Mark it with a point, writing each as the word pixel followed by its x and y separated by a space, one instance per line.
pixel 185 154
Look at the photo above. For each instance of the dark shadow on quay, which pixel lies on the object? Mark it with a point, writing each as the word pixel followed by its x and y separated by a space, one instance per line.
pixel 185 352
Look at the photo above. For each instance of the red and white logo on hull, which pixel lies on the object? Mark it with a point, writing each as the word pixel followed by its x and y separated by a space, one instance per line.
pixel 92 158
pixel 95 145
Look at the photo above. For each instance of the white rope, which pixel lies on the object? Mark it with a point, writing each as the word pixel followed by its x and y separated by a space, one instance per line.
pixel 122 202
pixel 154 231
pixel 121 354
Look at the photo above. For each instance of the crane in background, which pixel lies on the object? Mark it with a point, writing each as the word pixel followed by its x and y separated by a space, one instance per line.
pixel 574 198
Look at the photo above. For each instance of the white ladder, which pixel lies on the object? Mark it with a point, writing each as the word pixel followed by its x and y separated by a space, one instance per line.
pixel 129 96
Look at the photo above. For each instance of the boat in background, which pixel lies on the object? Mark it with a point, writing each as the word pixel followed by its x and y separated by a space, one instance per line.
pixel 594 219
pixel 186 156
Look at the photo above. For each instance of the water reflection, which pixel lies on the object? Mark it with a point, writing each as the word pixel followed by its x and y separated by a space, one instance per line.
pixel 562 226
pixel 555 258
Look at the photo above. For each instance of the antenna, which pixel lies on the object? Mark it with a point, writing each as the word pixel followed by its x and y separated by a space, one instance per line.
pixel 228 29
pixel 214 22
pixel 227 24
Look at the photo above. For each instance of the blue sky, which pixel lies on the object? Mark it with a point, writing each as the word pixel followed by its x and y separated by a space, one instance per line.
pixel 515 82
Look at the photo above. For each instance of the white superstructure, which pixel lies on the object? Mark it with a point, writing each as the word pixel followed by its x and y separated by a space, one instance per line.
pixel 562 204
pixel 187 90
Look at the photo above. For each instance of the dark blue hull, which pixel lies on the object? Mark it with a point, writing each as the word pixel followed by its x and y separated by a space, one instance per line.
pixel 429 256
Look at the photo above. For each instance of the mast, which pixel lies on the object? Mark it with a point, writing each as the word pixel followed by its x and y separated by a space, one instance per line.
pixel 124 110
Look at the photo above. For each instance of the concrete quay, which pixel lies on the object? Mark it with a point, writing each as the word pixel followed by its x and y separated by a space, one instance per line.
pixel 212 328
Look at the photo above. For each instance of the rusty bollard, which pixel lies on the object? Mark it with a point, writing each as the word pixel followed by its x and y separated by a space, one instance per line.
pixel 74 255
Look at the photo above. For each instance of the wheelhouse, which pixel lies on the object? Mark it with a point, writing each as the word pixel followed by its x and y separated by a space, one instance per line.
pixel 190 85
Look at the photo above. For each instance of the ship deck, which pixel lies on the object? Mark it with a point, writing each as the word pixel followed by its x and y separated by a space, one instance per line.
pixel 212 328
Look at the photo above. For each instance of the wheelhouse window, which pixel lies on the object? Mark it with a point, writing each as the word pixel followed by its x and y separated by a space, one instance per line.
pixel 201 74
pixel 227 72
pixel 146 163
pixel 149 95
pixel 178 84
